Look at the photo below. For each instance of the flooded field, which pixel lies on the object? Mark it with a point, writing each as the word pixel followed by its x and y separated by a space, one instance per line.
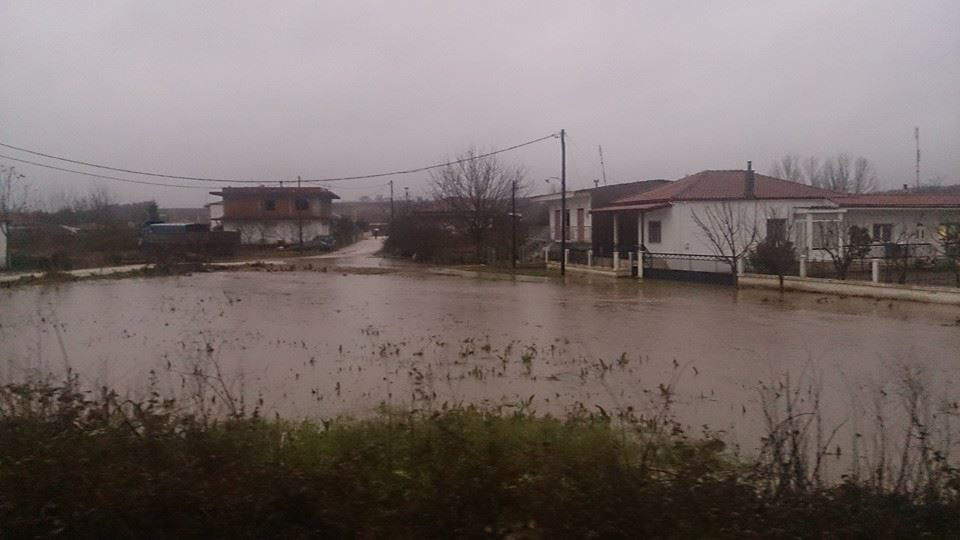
pixel 344 340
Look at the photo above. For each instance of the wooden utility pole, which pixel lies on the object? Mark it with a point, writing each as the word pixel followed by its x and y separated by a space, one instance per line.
pixel 297 205
pixel 513 220
pixel 391 206
pixel 563 202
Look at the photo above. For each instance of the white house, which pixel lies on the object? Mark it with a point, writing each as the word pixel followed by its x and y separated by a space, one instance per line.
pixel 580 221
pixel 672 223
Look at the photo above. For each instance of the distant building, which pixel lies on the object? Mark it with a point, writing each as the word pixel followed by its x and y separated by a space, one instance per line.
pixel 274 215
pixel 184 215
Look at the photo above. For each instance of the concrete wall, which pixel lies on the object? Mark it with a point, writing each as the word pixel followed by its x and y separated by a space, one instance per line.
pixel 574 202
pixel 275 232
pixel 937 295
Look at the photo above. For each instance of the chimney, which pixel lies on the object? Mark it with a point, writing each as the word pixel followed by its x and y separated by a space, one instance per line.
pixel 751 189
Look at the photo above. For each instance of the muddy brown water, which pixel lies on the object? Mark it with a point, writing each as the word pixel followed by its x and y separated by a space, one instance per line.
pixel 344 341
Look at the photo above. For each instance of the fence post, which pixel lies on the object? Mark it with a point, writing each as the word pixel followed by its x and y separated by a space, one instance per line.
pixel 875 270
pixel 803 266
pixel 639 264
pixel 546 254
pixel 589 257
pixel 630 261
pixel 566 256
pixel 616 261
pixel 740 266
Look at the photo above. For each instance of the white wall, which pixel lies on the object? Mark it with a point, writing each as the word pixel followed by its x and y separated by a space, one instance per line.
pixel 574 202
pixel 273 232
pixel 680 233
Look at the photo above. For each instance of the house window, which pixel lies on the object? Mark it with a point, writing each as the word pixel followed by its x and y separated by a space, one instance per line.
pixel 653 232
pixel 269 204
pixel 776 229
pixel 301 203
pixel 882 232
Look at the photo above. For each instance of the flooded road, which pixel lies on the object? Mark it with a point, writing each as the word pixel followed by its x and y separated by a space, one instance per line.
pixel 362 331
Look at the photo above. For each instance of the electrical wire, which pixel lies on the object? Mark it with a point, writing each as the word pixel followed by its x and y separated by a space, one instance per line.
pixel 260 182
pixel 104 177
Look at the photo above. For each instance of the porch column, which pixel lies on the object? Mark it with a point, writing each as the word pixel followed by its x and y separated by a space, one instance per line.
pixel 616 260
pixel 809 232
pixel 640 230
pixel 875 270
pixel 803 266
pixel 546 254
pixel 630 259
pixel 589 257
pixel 640 265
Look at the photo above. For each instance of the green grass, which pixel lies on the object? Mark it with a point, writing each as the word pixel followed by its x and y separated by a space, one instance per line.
pixel 78 465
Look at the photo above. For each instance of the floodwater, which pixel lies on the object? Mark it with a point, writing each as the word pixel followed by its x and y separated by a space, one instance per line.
pixel 359 332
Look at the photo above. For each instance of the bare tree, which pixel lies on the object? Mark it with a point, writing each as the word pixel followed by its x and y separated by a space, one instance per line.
pixel 843 252
pixel 788 168
pixel 812 171
pixel 14 192
pixel 864 178
pixel 947 245
pixel 838 173
pixel 729 228
pixel 477 189
pixel 100 201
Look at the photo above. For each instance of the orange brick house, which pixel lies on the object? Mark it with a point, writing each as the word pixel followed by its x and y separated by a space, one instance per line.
pixel 274 215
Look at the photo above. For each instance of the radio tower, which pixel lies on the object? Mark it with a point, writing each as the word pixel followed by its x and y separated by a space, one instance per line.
pixel 916 135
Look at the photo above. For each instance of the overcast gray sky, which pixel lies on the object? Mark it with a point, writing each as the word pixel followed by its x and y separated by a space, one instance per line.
pixel 276 89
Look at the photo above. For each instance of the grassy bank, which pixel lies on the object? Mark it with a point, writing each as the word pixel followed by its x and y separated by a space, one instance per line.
pixel 95 465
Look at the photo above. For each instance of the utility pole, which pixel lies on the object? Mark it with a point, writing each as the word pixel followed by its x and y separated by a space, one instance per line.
pixel 298 206
pixel 513 220
pixel 563 202
pixel 391 206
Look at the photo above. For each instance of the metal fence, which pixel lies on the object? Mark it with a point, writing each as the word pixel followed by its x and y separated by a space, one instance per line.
pixel 904 265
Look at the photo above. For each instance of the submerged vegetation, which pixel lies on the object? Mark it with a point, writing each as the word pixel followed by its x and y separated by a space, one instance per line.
pixel 92 463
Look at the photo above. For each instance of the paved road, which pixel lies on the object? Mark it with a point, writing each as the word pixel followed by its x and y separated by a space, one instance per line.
pixel 363 248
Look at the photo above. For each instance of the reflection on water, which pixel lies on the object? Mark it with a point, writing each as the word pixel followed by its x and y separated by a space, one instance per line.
pixel 344 341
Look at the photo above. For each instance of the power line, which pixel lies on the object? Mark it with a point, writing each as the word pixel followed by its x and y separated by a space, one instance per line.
pixel 246 181
pixel 105 177
pixel 436 166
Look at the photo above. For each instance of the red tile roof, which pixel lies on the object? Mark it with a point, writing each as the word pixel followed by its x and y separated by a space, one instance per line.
pixel 898 200
pixel 260 191
pixel 720 185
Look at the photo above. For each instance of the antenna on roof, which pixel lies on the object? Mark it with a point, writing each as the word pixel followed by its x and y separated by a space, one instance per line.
pixel 916 135
pixel 603 168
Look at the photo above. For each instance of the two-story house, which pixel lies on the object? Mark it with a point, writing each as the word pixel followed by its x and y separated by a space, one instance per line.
pixel 274 215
